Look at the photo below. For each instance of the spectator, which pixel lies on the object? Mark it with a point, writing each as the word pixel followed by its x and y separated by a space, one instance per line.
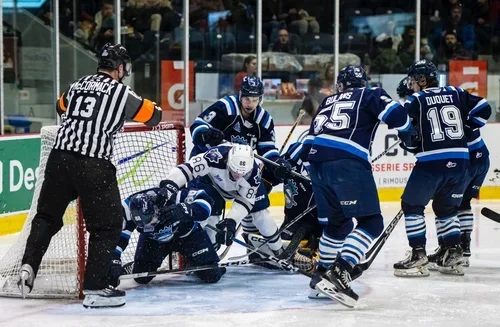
pixel 390 32
pixel 146 15
pixel 300 24
pixel 328 80
pixel 272 14
pixel 313 99
pixel 481 21
pixel 451 50
pixel 387 61
pixel 464 31
pixel 84 32
pixel 249 68
pixel 104 24
pixel 283 44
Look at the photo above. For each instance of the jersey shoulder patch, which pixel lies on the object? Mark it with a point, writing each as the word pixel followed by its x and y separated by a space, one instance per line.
pixel 213 155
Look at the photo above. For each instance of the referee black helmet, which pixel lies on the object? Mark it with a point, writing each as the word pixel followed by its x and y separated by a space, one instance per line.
pixel 112 56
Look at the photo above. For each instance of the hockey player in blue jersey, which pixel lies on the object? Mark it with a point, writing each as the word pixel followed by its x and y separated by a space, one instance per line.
pixel 168 220
pixel 443 116
pixel 241 119
pixel 338 149
pixel 480 163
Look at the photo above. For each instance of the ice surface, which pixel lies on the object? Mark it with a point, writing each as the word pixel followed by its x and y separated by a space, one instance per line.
pixel 252 296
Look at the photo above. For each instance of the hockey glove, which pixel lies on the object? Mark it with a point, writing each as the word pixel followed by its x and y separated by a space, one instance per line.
pixel 227 232
pixel 213 137
pixel 115 271
pixel 410 138
pixel 283 171
pixel 176 212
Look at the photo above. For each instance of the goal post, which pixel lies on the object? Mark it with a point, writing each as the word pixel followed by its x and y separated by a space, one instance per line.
pixel 143 156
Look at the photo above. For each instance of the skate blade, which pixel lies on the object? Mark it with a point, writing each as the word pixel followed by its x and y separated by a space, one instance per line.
pixel 456 270
pixel 315 295
pixel 97 302
pixel 421 271
pixel 328 289
pixel 432 266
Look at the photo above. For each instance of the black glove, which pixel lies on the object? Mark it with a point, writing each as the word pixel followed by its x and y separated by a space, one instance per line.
pixel 284 170
pixel 213 137
pixel 176 212
pixel 227 232
pixel 115 271
pixel 410 138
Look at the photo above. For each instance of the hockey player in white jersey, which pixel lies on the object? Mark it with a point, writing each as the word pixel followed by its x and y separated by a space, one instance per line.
pixel 228 172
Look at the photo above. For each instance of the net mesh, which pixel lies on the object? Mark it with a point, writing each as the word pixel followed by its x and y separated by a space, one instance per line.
pixel 143 156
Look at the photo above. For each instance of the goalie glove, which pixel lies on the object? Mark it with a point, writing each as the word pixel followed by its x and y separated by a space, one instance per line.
pixel 227 231
pixel 175 213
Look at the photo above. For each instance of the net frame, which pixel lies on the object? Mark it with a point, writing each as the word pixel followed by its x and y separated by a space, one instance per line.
pixel 72 269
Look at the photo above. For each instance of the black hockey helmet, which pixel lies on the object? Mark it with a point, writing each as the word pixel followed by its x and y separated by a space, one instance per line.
pixel 112 56
pixel 404 89
pixel 424 73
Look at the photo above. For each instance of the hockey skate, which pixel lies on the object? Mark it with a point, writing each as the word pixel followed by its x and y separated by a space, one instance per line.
pixel 338 276
pixel 451 261
pixel 465 237
pixel 109 297
pixel 315 279
pixel 415 264
pixel 434 258
pixel 26 280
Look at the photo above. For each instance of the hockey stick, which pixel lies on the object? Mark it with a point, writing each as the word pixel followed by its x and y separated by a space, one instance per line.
pixel 375 249
pixel 278 232
pixel 161 271
pixel 488 213
pixel 302 112
pixel 386 151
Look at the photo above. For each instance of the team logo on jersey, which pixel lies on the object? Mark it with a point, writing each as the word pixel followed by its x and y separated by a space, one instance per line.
pixel 451 164
pixel 479 155
pixel 237 127
pixel 291 191
pixel 238 139
pixel 213 156
pixel 257 178
pixel 166 233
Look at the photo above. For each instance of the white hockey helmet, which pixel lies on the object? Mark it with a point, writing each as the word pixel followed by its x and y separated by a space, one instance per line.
pixel 240 160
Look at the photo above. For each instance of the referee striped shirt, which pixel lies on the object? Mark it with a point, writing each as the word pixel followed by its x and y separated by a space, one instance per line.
pixel 94 109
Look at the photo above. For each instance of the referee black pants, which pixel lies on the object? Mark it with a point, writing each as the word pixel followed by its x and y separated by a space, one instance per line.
pixel 68 176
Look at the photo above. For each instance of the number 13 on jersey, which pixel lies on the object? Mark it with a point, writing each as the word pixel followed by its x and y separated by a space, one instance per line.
pixel 339 117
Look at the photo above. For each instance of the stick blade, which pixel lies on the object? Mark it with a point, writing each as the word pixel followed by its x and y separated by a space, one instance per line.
pixel 488 213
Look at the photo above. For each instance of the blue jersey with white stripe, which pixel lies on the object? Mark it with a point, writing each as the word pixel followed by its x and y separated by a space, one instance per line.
pixel 201 206
pixel 442 115
pixel 346 123
pixel 225 115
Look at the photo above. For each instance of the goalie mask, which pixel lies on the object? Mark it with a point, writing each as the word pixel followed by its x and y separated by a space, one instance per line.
pixel 240 161
pixel 145 207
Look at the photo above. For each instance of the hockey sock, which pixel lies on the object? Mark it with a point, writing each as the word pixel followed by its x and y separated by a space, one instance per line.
pixel 248 226
pixel 355 246
pixel 415 230
pixel 466 220
pixel 449 229
pixel 328 249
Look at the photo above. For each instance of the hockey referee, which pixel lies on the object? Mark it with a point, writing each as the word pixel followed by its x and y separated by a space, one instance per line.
pixel 94 108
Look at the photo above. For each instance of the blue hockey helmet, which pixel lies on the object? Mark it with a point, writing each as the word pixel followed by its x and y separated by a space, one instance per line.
pixel 424 68
pixel 251 86
pixel 112 56
pixel 144 207
pixel 404 89
pixel 352 76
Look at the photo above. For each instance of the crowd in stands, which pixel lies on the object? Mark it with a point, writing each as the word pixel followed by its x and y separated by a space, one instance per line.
pixel 451 29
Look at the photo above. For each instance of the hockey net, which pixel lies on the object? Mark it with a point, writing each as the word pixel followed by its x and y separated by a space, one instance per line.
pixel 143 156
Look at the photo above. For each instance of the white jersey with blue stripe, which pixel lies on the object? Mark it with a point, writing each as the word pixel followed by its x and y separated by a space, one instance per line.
pixel 346 123
pixel 442 115
pixel 225 115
